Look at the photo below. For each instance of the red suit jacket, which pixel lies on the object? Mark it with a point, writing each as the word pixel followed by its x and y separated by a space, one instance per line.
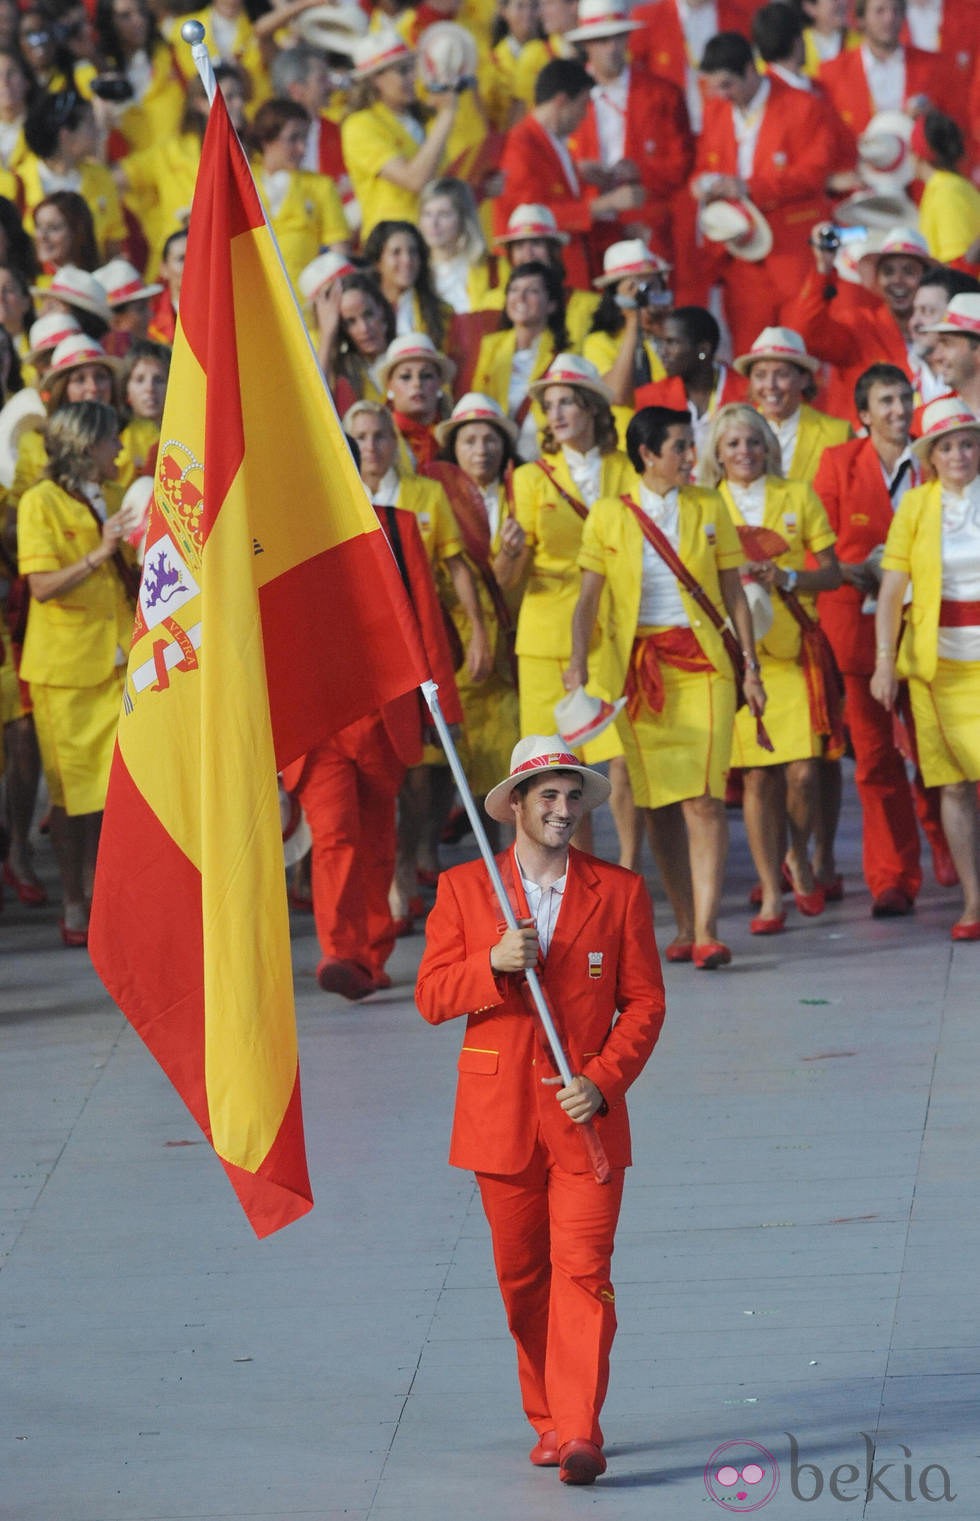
pixel 501 1104
pixel 670 392
pixel 844 80
pixel 848 332
pixel 662 46
pixel 658 141
pixel 852 488
pixel 959 39
pixel 534 175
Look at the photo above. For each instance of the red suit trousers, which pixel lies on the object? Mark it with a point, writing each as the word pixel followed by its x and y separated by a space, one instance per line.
pixel 552 1234
pixel 889 802
pixel 348 790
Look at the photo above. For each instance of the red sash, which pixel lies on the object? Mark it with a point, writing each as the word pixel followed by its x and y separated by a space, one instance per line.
pixel 677 647
pixel 958 614
pixel 566 496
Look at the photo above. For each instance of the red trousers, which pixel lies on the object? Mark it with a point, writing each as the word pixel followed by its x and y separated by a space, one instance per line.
pixel 552 1235
pixel 348 790
pixel 889 803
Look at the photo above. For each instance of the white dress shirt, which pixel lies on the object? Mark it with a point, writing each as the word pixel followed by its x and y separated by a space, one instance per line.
pixel 388 489
pixel 544 905
pixel 787 433
pixel 586 472
pixel 886 78
pixel 961 568
pixel 925 18
pixel 661 604
pixel 750 500
pixel 699 24
pixel 747 124
pixel 451 280
pixel 610 101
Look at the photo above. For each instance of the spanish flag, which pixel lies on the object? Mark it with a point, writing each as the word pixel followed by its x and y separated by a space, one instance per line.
pixel 271 614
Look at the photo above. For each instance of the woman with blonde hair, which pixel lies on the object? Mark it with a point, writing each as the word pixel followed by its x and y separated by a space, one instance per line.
pixel 83 586
pixel 460 267
pixel 933 546
pixel 780 524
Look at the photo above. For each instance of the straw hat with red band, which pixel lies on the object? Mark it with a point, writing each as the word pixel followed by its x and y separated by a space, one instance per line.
pixel 601 18
pixel 379 50
pixel 739 225
pixel 961 317
pixel 777 343
pixel 947 414
pixel 581 718
pixel 531 221
pixel 885 159
pixel 74 352
pixel 632 257
pixel 899 242
pixel 321 271
pixel 417 346
pixel 332 28
pixel 447 56
pixel 536 755
pixel 47 332
pixel 571 370
pixel 123 282
pixel 475 407
pixel 76 287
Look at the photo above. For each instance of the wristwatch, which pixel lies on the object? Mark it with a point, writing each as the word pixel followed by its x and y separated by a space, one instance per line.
pixel 792 576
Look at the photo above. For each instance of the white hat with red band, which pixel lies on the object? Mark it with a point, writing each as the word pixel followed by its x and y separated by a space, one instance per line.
pixel 886 162
pixel 898 242
pixel 332 28
pixel 76 287
pixel 535 755
pixel 475 407
pixel 379 50
pixel 581 718
pixel 74 352
pixel 601 18
pixel 739 225
pixel 571 370
pixel 962 317
pixel 447 56
pixel 947 414
pixel 47 332
pixel 530 221
pixel 321 271
pixel 418 346
pixel 777 343
pixel 122 282
pixel 631 257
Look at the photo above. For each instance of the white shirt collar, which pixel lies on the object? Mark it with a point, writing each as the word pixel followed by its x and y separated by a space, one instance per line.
pixel 388 488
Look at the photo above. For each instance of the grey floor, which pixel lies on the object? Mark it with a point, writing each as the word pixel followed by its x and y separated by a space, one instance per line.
pixel 797 1262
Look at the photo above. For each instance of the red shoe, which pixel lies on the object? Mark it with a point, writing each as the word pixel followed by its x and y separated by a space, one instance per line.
pixel 943 868
pixel 969 931
pixel 833 892
pixel 679 950
pixel 344 977
pixel 711 955
pixel 580 1462
pixel 761 926
pixel 31 893
pixel 75 939
pixel 544 1453
pixel 380 981
pixel 811 904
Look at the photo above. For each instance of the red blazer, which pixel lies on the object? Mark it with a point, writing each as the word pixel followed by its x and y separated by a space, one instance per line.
pixel 670 392
pixel 501 1104
pixel 661 44
pixel 658 139
pixel 534 175
pixel 793 156
pixel 844 80
pixel 852 488
pixel 959 38
pixel 848 334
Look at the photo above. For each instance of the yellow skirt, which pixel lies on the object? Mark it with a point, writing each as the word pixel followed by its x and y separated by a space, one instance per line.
pixel 787 719
pixel 683 751
pixel 946 711
pixel 490 732
pixel 541 687
pixel 76 731
pixel 11 705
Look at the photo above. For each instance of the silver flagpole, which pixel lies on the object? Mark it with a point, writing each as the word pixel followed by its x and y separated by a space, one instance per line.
pixel 194 34
pixel 594 1146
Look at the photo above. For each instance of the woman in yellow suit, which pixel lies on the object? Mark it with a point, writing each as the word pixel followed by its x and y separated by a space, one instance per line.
pixel 389 154
pixel 532 331
pixel 636 293
pixel 132 47
pixel 304 210
pixel 780 524
pixel 934 545
pixel 781 374
pixel 61 138
pixel 659 646
pixel 70 547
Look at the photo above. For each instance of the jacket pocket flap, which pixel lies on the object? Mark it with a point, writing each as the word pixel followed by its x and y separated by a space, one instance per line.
pixel 475 1059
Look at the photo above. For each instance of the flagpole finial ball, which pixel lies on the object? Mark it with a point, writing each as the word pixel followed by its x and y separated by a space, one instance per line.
pixel 192 33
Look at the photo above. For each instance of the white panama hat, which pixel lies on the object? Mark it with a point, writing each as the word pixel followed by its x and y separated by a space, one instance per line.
pixel 47 332
pixel 777 343
pixel 961 317
pixel 630 257
pixel 447 55
pixel 739 225
pixel 601 18
pixel 379 50
pixel 534 755
pixel 947 414
pixel 414 346
pixel 475 407
pixel 571 370
pixel 332 28
pixel 885 160
pixel 531 221
pixel 320 272
pixel 122 282
pixel 582 718
pixel 76 287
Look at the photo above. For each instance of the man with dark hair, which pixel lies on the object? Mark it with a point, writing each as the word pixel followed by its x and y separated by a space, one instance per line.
pixel 538 168
pixel 769 144
pixel 673 38
pixel 957 351
pixel 861 484
pixel 880 75
pixel 588 928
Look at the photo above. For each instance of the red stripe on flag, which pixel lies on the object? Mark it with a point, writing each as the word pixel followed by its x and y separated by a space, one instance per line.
pixel 297 616
pixel 269 1196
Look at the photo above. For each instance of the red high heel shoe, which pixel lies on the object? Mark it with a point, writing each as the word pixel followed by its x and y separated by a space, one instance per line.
pixel 32 893
pixel 75 939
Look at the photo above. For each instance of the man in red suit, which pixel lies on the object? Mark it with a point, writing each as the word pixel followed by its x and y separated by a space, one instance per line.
pixel 538 168
pixel 634 131
pixel 880 75
pixel 587 927
pixel 769 144
pixel 951 29
pixel 675 34
pixel 861 483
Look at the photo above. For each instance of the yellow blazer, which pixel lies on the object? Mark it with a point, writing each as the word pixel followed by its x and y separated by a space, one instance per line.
pixel 97 189
pixel 554 537
pixel 915 546
pixel 437 526
pixel 949 215
pixel 311 216
pixel 160 184
pixel 612 545
pixel 158 114
pixel 71 640
pixel 372 138
pixel 817 431
pixel 495 361
pixel 794 510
